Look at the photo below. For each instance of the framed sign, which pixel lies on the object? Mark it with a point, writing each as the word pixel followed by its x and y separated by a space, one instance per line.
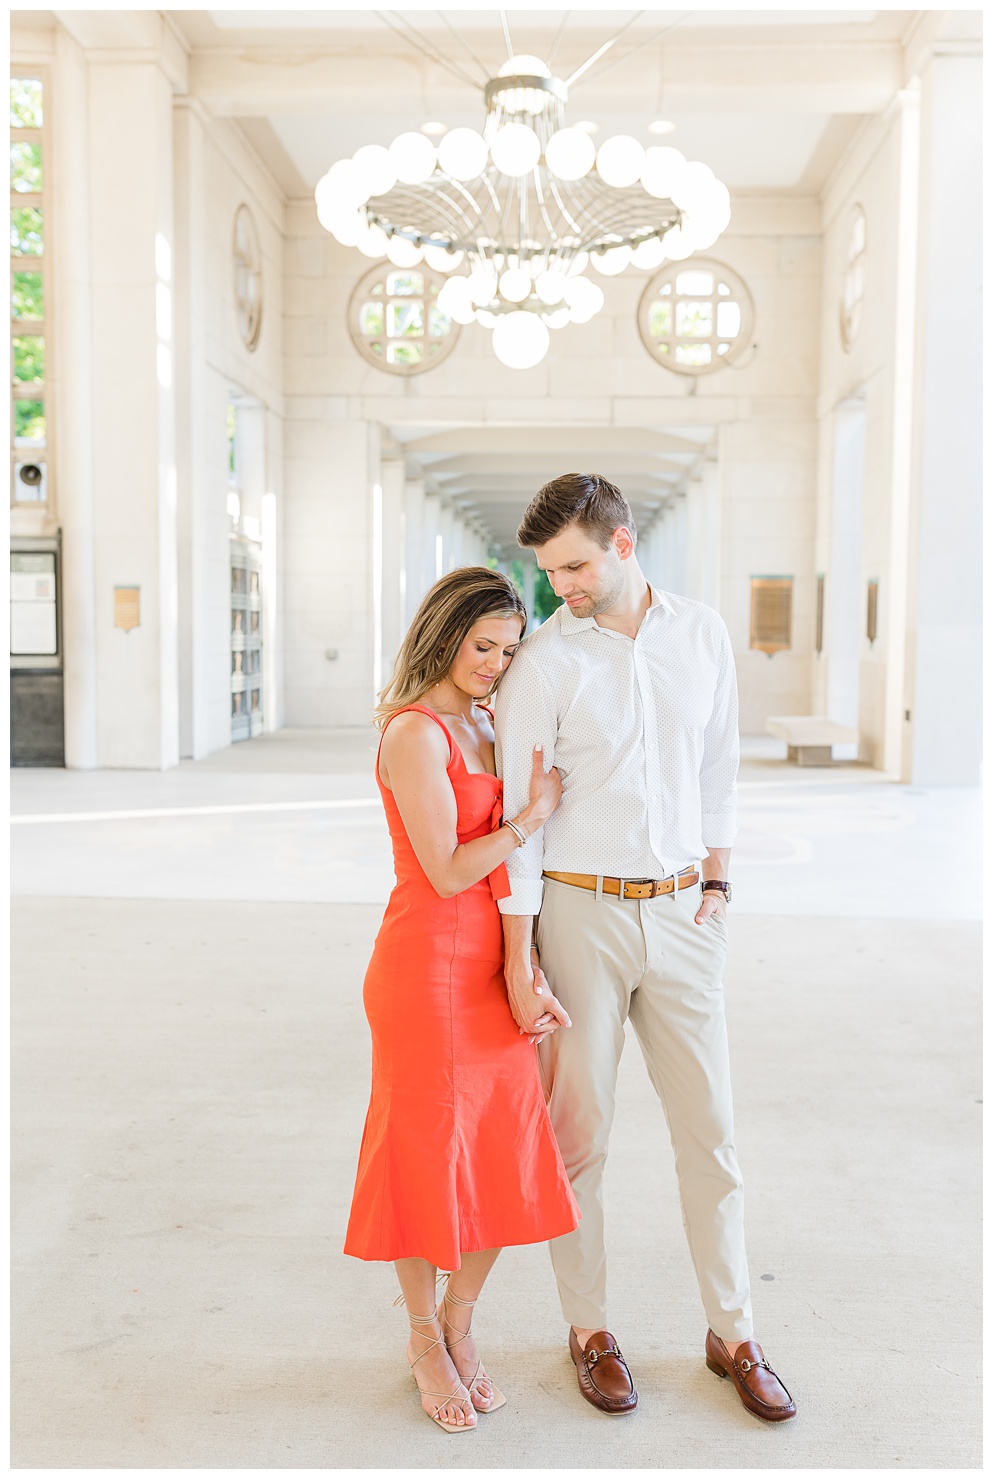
pixel 772 613
pixel 127 607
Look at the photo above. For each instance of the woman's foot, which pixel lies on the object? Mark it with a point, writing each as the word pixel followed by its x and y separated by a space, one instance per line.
pixel 456 1315
pixel 443 1396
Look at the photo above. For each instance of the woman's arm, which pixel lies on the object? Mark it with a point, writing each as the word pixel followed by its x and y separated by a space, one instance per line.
pixel 416 756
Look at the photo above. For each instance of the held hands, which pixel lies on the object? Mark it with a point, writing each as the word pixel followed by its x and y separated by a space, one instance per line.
pixel 534 1008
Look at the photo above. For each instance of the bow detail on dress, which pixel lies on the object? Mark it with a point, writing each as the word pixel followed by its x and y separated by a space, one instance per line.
pixel 499 879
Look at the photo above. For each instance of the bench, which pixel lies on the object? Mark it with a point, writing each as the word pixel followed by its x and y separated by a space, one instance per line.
pixel 809 738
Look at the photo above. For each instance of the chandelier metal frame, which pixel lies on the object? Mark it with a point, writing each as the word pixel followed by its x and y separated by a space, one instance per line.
pixel 527 205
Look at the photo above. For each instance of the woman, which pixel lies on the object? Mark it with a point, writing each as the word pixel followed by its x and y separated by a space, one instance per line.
pixel 458 1158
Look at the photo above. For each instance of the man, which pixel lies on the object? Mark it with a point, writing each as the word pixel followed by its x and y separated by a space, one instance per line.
pixel 631 692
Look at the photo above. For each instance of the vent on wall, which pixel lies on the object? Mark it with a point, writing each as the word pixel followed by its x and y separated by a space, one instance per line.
pixel 772 613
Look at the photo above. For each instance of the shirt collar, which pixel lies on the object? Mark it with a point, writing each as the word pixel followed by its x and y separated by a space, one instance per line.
pixel 569 625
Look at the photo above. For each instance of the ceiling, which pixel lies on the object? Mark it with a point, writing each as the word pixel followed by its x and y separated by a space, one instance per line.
pixel 769 99
pixel 491 473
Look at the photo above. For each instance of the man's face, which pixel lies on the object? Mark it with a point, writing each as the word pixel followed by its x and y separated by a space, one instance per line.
pixel 588 578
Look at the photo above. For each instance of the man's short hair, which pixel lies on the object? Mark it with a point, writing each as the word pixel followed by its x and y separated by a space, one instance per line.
pixel 582 498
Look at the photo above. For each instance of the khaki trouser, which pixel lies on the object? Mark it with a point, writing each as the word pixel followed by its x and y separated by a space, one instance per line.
pixel 607 959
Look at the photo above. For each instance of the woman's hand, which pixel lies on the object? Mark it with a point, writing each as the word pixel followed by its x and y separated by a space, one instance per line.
pixel 544 793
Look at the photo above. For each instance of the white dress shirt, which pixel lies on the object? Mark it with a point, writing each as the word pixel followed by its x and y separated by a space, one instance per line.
pixel 645 733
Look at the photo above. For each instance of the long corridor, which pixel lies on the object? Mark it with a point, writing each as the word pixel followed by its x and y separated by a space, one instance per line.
pixel 191 1071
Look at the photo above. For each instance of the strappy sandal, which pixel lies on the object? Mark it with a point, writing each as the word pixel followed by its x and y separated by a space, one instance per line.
pixel 498 1399
pixel 448 1427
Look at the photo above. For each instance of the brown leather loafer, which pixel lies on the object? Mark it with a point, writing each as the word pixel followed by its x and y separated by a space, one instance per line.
pixel 604 1378
pixel 756 1383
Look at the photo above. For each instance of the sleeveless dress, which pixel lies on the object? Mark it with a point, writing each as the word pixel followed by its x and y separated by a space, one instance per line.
pixel 458 1152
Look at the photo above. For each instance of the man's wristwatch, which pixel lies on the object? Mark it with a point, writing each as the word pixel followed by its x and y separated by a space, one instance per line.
pixel 719 886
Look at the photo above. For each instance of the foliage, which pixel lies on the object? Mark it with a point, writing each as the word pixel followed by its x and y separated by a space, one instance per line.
pixel 29 359
pixel 26 231
pixel 25 167
pixel 26 110
pixel 27 298
pixel 29 420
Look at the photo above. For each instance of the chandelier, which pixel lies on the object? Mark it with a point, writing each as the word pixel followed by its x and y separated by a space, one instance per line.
pixel 524 208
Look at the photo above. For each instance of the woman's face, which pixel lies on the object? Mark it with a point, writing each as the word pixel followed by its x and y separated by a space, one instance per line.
pixel 484 654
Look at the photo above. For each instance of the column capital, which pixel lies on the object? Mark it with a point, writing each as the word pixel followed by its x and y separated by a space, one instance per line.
pixel 130 36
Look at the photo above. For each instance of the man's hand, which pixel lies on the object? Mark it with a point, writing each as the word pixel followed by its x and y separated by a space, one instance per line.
pixel 534 1008
pixel 713 903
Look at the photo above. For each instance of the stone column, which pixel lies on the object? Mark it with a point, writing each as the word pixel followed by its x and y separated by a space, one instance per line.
pixel 331 470
pixel 431 528
pixel 413 543
pixel 393 551
pixel 134 415
pixel 944 637
pixel 72 392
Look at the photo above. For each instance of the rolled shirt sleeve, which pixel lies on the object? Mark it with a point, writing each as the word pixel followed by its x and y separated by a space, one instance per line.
pixel 525 715
pixel 721 752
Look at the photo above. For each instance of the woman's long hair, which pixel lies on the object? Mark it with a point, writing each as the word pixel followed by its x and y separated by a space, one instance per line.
pixel 444 619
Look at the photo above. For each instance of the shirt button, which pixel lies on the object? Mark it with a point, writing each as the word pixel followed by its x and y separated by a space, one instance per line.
pixel 655 798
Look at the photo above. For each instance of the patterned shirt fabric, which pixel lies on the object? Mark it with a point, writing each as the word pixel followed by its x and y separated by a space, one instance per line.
pixel 644 731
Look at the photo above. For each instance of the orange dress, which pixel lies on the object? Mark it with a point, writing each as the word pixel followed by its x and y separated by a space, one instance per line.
pixel 458 1152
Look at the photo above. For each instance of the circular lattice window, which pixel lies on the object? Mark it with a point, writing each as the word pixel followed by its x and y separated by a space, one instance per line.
pixel 395 321
pixel 853 283
pixel 247 277
pixel 695 317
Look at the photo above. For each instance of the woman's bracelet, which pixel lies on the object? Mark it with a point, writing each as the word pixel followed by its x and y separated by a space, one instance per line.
pixel 518 833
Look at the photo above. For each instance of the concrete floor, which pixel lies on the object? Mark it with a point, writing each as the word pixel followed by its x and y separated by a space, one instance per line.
pixel 191 1073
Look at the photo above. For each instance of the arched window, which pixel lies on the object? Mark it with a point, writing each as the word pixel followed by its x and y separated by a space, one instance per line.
pixel 696 316
pixel 395 321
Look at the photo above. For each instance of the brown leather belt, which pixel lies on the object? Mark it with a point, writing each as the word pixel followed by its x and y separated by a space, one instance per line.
pixel 634 888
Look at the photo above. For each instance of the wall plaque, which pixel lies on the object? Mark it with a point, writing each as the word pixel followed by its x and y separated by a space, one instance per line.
pixel 772 613
pixel 127 608
pixel 872 611
pixel 819 629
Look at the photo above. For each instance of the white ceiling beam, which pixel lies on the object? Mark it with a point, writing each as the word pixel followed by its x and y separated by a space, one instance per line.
pixel 580 441
pixel 794 76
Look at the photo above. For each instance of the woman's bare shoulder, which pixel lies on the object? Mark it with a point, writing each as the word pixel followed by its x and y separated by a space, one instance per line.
pixel 414 735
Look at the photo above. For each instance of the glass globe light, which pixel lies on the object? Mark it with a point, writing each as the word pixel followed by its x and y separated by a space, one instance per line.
pixel 648 254
pixel 342 185
pixel 414 158
pixel 570 153
pixel 520 340
pixel 441 259
pixel 486 318
pixel 584 298
pixel 620 160
pixel 375 168
pixel 403 253
pixel 550 287
pixel 558 318
pixel 662 171
pixel 454 300
pixel 694 186
pixel 677 245
pixel 515 149
pixel 345 223
pixel 482 286
pixel 524 66
pixel 515 285
pixel 462 154
pixel 373 241
pixel 612 261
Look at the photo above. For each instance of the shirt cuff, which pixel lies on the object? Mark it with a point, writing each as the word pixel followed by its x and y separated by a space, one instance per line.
pixel 720 828
pixel 525 897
